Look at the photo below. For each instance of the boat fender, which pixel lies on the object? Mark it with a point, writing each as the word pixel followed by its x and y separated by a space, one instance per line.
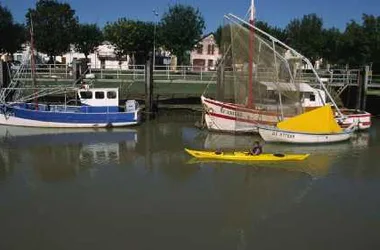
pixel 6 112
pixel 85 86
pixel 209 110
pixel 109 125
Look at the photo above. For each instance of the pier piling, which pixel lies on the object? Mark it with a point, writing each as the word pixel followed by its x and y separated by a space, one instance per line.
pixel 220 82
pixel 367 73
pixel 4 74
pixel 363 79
pixel 149 86
pixel 5 79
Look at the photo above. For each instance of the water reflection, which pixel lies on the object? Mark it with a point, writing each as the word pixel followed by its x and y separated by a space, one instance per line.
pixel 318 164
pixel 8 159
pixel 229 141
pixel 59 154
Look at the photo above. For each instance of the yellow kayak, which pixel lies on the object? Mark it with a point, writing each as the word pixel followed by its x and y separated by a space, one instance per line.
pixel 244 156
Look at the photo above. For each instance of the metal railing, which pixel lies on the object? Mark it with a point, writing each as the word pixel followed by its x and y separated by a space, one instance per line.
pixel 186 73
pixel 374 81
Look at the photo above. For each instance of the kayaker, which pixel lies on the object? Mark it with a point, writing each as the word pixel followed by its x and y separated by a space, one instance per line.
pixel 257 149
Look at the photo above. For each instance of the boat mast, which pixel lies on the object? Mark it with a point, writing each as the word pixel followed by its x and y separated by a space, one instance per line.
pixel 250 59
pixel 33 62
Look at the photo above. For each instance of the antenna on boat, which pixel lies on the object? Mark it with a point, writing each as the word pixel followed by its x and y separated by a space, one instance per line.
pixel 250 61
pixel 33 61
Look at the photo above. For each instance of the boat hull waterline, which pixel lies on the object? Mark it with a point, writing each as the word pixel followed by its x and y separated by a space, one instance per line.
pixel 270 134
pixel 16 116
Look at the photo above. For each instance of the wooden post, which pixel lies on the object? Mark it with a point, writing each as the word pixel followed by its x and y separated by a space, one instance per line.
pixel 359 91
pixel 220 82
pixel 4 78
pixel 149 85
pixel 76 72
pixel 2 73
pixel 366 79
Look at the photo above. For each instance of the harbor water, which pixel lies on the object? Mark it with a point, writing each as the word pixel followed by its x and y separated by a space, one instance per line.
pixel 136 188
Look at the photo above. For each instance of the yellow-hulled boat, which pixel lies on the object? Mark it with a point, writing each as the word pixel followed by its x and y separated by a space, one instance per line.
pixel 244 156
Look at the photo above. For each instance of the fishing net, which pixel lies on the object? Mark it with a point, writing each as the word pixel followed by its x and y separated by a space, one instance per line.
pixel 258 77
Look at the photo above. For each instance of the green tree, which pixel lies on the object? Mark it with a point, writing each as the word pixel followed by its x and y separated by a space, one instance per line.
pixel 88 37
pixel 306 36
pixel 218 36
pixel 13 32
pixel 222 37
pixel 332 46
pixel 276 32
pixel 54 26
pixel 181 27
pixel 131 37
pixel 355 48
pixel 6 21
pixel 371 30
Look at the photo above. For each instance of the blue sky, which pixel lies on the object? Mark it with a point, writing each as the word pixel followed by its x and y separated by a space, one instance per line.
pixel 276 12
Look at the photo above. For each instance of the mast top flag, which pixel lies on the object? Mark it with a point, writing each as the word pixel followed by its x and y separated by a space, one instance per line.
pixel 253 11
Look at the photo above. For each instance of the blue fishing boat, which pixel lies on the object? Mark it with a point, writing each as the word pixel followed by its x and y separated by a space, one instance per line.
pixel 98 107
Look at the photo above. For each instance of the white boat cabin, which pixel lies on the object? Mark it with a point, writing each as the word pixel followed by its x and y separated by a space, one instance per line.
pixel 311 97
pixel 104 100
pixel 99 97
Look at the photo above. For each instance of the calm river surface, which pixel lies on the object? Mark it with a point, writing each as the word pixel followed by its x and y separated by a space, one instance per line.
pixel 135 188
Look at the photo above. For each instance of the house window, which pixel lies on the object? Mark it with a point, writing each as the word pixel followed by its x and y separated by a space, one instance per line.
pixel 99 95
pixel 210 49
pixel 210 63
pixel 111 95
pixel 200 49
pixel 86 94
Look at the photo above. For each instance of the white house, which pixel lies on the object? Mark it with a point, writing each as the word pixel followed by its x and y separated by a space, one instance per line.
pixel 103 57
pixel 205 54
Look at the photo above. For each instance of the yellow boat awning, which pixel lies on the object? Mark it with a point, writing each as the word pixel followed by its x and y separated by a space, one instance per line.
pixel 317 121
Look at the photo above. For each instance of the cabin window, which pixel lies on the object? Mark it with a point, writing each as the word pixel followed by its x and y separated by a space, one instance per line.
pixel 111 95
pixel 99 95
pixel 86 94
pixel 312 97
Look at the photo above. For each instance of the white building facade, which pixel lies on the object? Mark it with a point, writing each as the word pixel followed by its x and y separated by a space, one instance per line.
pixel 104 57
pixel 205 54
